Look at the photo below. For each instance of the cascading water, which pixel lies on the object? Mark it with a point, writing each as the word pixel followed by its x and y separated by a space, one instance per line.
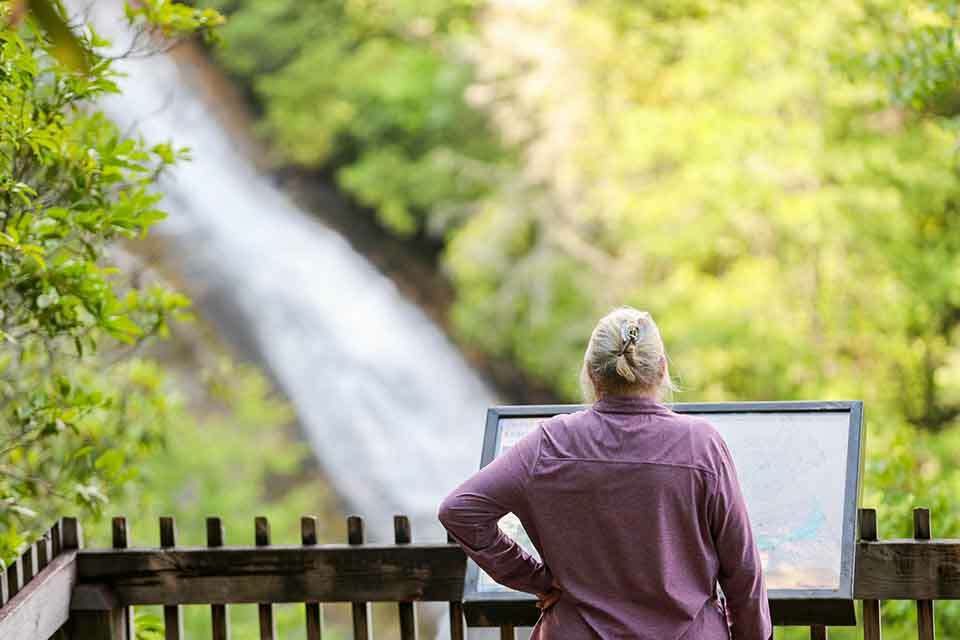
pixel 391 409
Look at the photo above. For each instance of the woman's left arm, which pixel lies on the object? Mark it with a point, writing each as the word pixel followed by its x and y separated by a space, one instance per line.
pixel 471 513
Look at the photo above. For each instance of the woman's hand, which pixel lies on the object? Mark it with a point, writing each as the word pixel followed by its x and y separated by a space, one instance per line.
pixel 548 599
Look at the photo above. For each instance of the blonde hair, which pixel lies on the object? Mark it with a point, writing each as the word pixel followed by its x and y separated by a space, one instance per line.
pixel 625 356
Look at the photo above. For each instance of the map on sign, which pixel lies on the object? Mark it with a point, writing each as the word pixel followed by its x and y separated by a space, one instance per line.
pixel 793 467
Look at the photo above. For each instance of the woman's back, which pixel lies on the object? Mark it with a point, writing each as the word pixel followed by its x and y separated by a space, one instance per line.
pixel 632 508
pixel 619 497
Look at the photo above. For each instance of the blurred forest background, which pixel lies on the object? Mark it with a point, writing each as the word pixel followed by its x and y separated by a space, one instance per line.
pixel 777 182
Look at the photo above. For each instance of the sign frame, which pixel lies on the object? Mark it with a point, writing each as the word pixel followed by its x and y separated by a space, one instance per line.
pixel 800 607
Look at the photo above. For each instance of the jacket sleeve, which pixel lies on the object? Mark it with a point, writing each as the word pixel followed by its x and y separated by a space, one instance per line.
pixel 741 574
pixel 471 513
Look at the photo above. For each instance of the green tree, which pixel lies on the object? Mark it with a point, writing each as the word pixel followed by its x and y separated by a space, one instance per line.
pixel 911 48
pixel 373 92
pixel 78 407
pixel 915 53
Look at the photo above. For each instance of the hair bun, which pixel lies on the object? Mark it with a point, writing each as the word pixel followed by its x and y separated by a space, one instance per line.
pixel 625 354
pixel 624 369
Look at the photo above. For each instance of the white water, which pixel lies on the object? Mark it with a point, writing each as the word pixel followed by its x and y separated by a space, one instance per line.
pixel 391 409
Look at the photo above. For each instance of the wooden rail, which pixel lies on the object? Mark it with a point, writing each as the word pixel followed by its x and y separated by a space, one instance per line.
pixel 35 590
pixel 56 587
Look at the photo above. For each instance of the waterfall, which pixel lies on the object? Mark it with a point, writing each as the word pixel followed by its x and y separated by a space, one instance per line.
pixel 391 409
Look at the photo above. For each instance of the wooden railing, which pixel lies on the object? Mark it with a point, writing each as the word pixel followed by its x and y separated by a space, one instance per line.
pixel 58 589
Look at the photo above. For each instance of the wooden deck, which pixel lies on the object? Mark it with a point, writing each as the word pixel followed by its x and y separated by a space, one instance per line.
pixel 59 589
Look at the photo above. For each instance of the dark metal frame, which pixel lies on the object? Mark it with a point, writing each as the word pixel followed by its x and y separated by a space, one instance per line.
pixel 787 606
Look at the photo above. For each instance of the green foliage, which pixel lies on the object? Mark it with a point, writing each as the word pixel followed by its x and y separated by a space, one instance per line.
pixel 776 182
pixel 78 408
pixel 174 19
pixel 737 184
pixel 373 90
pixel 916 53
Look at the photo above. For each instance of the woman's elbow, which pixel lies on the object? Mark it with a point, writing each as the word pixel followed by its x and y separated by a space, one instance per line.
pixel 447 511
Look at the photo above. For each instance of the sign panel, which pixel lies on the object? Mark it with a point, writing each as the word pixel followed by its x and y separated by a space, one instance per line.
pixel 799 464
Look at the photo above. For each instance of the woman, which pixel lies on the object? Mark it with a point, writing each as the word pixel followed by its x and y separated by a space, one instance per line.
pixel 635 510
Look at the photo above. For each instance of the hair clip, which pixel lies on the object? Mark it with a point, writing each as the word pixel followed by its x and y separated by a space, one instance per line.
pixel 629 334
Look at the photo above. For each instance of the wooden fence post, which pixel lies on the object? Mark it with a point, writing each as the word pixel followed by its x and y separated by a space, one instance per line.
pixel 871 608
pixel 926 630
pixel 313 611
pixel 13 577
pixel 219 616
pixel 107 624
pixel 43 551
pixel 119 534
pixel 457 629
pixel 172 621
pixel 408 614
pixel 28 562
pixel 267 622
pixel 56 539
pixel 361 610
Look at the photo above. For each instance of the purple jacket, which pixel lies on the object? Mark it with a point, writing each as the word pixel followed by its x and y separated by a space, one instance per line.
pixel 637 514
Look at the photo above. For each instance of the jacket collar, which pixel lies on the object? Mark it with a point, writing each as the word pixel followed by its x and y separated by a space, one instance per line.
pixel 629 404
